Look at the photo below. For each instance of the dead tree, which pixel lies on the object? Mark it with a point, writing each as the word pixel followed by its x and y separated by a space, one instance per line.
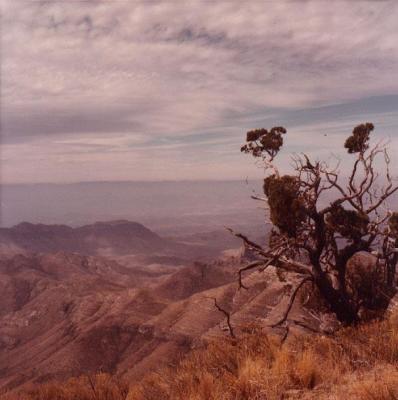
pixel 317 241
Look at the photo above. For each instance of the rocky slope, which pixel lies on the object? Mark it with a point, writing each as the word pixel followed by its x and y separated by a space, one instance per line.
pixel 65 314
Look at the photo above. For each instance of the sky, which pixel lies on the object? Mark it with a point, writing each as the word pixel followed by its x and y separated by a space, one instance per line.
pixel 166 90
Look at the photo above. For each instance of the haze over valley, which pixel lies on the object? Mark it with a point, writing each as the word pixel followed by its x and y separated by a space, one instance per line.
pixel 87 287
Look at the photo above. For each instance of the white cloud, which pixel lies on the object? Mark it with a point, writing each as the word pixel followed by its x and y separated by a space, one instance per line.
pixel 149 75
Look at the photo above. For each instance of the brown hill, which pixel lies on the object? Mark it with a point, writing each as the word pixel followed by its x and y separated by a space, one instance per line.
pixel 66 314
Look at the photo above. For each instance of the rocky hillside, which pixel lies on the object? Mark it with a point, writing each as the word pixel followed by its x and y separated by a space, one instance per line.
pixel 65 314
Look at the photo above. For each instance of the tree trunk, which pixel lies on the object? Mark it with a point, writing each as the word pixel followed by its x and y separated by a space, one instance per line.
pixel 336 299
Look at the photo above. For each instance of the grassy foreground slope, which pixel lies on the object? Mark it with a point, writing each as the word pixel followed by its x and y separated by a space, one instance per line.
pixel 356 363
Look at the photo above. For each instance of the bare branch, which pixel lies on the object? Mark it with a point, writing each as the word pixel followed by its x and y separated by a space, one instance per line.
pixel 305 326
pixel 254 197
pixel 248 267
pixel 294 266
pixel 291 301
pixel 385 196
pixel 249 243
pixel 227 315
pixel 264 263
pixel 285 335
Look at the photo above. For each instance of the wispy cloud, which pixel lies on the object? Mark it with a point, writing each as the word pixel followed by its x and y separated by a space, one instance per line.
pixel 152 90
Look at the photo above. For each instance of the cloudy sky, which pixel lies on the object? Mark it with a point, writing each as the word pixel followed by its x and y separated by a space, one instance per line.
pixel 130 90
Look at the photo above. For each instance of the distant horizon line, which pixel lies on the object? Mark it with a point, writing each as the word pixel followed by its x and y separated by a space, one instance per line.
pixel 130 181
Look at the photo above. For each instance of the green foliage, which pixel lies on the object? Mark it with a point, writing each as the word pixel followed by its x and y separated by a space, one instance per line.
pixel 260 141
pixel 286 205
pixel 349 223
pixel 393 224
pixel 358 142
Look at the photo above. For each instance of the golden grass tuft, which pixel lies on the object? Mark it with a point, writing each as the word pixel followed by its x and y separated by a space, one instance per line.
pixel 97 387
pixel 381 384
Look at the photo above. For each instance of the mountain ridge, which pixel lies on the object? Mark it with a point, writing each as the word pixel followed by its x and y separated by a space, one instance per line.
pixel 101 238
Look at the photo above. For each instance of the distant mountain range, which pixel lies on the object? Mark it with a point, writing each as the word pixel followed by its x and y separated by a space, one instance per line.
pixel 181 205
pixel 101 238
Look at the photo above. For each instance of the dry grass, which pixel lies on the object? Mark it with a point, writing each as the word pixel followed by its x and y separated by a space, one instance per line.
pixel 98 387
pixel 357 363
pixel 258 367
pixel 379 384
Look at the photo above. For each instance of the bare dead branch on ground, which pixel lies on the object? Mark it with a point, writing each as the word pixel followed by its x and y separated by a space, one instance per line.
pixel 291 301
pixel 228 317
